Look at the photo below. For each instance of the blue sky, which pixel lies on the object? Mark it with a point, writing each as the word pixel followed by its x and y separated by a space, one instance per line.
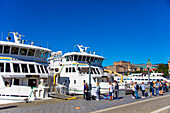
pixel 130 30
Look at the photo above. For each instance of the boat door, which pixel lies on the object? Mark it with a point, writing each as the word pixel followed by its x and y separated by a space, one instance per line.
pixel 32 82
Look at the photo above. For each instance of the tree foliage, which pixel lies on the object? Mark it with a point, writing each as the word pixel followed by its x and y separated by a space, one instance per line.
pixel 163 68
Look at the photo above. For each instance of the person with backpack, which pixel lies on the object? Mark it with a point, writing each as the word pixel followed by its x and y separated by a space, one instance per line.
pixel 157 88
pixel 136 90
pixel 160 88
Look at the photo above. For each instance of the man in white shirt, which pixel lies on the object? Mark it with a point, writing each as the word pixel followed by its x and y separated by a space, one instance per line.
pixel 110 90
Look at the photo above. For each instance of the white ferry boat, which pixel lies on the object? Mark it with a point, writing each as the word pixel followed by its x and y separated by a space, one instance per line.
pixel 72 69
pixel 22 64
pixel 139 78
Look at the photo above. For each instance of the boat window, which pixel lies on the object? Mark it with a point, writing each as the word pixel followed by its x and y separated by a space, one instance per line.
pixel 97 71
pixel 74 81
pixel 73 69
pixel 92 59
pixel 31 52
pixel 75 57
pixel 87 59
pixel 16 68
pixel 56 69
pixel 6 49
pixel 23 51
pixel 138 79
pixel 1 48
pixel 69 69
pixel 84 58
pixel 32 68
pixel 38 69
pixel 80 57
pixel 66 70
pixel 95 60
pixel 94 70
pixel 154 79
pixel 37 53
pixel 24 68
pixel 66 58
pixel 45 67
pixel 42 70
pixel 71 58
pixel 161 79
pixel 146 79
pixel 42 54
pixel 46 55
pixel 135 79
pixel 15 50
pixel 142 79
pixel 1 67
pixel 8 69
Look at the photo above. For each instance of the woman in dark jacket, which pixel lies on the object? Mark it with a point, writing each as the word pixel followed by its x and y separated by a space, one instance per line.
pixel 116 90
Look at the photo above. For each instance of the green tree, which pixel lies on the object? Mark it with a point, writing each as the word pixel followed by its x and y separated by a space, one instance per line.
pixel 163 68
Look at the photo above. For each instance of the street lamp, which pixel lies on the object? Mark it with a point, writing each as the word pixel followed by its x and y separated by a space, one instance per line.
pixel 89 76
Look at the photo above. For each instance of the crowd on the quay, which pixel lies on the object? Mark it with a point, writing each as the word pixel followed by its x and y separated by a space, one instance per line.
pixel 155 88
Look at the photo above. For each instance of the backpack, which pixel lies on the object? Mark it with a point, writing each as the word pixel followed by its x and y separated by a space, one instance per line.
pixel 137 87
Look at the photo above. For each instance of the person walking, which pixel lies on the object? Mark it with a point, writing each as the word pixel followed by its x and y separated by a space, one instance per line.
pixel 160 88
pixel 133 90
pixel 136 90
pixel 113 91
pixel 116 90
pixel 86 91
pixel 143 90
pixel 110 90
pixel 84 85
pixel 98 91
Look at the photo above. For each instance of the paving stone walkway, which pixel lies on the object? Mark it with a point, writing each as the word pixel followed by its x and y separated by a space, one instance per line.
pixel 81 106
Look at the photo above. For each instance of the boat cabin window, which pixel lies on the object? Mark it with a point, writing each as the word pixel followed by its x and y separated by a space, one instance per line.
pixel 46 55
pixel 32 68
pixel 42 54
pixel 97 71
pixel 67 59
pixel 38 69
pixel 16 68
pixel 79 58
pixel 1 48
pixel 42 70
pixel 8 69
pixel 45 67
pixel 69 69
pixel 75 57
pixel 24 68
pixel 1 67
pixel 87 59
pixel 23 51
pixel 74 81
pixel 92 59
pixel 15 50
pixel 56 69
pixel 31 52
pixel 94 70
pixel 6 49
pixel 95 60
pixel 66 70
pixel 73 69
pixel 84 58
pixel 37 53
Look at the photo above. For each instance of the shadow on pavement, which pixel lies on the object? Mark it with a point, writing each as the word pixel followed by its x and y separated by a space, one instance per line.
pixel 2 108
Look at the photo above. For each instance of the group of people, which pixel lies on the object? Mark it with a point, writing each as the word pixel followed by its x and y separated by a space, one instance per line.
pixel 113 89
pixel 158 87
